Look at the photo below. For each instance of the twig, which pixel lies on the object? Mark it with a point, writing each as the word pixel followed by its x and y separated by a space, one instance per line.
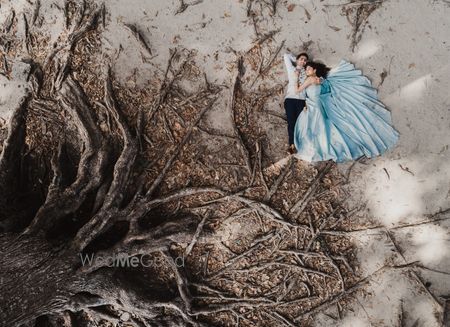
pixel 279 317
pixel 334 299
pixel 9 22
pixel 27 39
pixel 363 11
pixel 380 227
pixel 279 180
pixel 181 119
pixel 317 232
pixel 349 170
pixel 385 170
pixel 271 60
pixel 215 132
pixel 252 179
pixel 235 88
pixel 276 114
pixel 417 264
pixel 300 205
pixel 356 3
pixel 197 234
pixel 164 89
pixel 418 278
pixel 178 148
pixel 263 70
pixel 255 26
pixel 262 266
pixel 167 128
pixel 184 6
pixel 261 174
pixel 249 7
pixel 139 36
pixel 406 169
pixel 230 263
pixel 181 282
pixel 36 11
pixel 263 38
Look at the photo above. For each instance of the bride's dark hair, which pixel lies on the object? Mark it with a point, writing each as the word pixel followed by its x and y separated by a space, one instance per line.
pixel 321 69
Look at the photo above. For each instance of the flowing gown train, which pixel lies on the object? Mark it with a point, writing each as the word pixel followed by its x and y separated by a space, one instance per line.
pixel 344 119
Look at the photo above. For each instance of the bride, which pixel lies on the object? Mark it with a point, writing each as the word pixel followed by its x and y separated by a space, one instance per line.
pixel 344 119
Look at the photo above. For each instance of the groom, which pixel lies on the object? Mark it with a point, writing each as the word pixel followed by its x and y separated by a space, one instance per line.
pixel 294 102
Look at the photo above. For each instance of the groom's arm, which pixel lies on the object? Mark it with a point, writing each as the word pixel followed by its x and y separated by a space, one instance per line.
pixel 289 60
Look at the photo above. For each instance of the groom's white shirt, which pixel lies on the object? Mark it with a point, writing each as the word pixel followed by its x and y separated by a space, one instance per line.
pixel 289 60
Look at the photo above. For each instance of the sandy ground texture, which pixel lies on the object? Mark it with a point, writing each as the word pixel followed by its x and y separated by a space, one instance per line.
pixel 402 46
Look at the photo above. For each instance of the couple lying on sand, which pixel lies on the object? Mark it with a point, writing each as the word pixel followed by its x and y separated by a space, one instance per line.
pixel 334 114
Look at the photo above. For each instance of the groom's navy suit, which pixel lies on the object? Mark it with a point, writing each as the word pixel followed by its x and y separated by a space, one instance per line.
pixel 293 102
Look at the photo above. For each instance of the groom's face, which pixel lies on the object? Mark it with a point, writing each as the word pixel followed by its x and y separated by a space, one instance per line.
pixel 301 61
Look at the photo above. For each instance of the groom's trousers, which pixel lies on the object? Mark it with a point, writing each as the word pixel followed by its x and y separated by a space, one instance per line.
pixel 293 108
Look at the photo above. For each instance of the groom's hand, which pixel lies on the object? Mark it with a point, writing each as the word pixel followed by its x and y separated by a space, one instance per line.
pixel 317 80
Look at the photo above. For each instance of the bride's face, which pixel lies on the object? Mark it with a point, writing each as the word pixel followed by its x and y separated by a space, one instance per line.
pixel 310 71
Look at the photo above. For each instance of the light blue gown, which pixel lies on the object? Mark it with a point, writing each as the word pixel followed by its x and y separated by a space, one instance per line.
pixel 344 119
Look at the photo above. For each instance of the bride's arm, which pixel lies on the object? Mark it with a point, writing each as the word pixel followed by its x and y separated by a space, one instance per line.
pixel 301 86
